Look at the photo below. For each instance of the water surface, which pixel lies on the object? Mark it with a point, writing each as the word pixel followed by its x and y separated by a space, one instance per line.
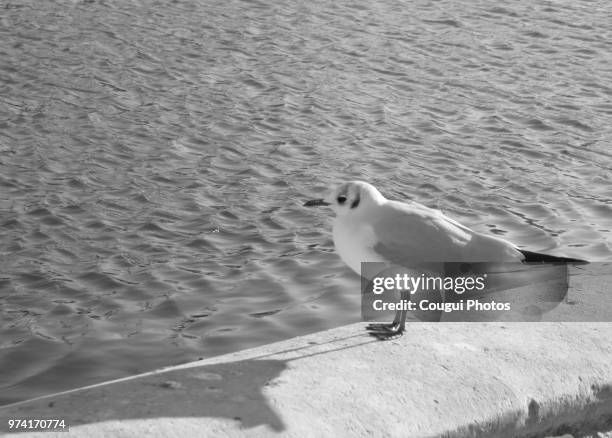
pixel 154 156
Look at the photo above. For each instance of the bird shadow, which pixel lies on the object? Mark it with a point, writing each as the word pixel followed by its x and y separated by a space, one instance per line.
pixel 233 390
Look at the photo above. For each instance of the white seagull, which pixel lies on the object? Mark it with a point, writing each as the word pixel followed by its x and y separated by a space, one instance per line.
pixel 370 228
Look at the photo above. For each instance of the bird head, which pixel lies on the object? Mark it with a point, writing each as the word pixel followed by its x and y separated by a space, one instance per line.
pixel 349 198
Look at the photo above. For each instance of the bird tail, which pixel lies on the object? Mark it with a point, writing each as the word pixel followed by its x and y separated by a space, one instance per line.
pixel 536 257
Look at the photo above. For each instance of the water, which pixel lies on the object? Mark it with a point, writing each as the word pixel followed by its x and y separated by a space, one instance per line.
pixel 154 156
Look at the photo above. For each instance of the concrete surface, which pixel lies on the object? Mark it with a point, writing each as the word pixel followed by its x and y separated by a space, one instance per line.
pixel 452 380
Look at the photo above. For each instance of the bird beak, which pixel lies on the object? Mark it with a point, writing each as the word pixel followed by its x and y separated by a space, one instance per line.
pixel 315 203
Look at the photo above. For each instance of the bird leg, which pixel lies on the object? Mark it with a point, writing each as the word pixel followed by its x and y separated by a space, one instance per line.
pixel 393 329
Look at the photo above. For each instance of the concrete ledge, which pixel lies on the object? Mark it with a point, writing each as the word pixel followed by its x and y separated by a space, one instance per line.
pixel 451 380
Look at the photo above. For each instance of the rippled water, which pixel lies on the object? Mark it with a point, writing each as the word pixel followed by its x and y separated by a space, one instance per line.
pixel 154 156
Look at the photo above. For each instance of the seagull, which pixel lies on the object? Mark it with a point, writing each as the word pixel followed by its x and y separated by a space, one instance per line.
pixel 370 228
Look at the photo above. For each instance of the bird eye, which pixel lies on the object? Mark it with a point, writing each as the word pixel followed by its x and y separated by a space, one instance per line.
pixel 341 199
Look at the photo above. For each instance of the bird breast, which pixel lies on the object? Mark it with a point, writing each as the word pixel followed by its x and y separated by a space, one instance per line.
pixel 355 242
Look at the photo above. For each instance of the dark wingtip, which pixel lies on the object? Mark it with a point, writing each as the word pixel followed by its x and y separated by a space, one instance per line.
pixel 315 203
pixel 536 257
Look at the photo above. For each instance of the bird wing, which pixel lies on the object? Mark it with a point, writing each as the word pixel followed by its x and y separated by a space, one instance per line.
pixel 408 234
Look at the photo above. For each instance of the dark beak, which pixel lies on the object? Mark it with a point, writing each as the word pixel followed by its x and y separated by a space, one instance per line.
pixel 315 203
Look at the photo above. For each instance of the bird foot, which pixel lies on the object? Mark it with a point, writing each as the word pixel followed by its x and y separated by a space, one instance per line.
pixel 380 327
pixel 384 332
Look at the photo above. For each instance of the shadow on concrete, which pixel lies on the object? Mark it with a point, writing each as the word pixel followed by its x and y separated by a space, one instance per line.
pixel 231 390
pixel 228 390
